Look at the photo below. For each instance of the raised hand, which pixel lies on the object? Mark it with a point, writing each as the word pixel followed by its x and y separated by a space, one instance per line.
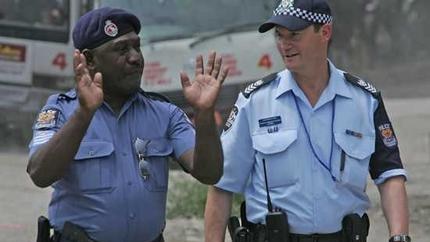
pixel 203 91
pixel 90 90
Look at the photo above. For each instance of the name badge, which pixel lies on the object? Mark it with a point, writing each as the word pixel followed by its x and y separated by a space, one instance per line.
pixel 271 121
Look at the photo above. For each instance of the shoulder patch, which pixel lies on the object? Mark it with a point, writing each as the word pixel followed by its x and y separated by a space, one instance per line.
pixel 256 85
pixel 47 119
pixel 231 118
pixel 387 135
pixel 361 83
pixel 155 96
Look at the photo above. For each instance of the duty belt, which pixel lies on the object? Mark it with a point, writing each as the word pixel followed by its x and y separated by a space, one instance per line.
pixel 259 235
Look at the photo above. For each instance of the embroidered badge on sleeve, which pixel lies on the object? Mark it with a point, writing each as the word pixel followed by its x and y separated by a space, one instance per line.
pixel 231 118
pixel 387 135
pixel 46 119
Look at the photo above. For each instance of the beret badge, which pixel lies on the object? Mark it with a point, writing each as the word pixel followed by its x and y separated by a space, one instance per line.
pixel 110 28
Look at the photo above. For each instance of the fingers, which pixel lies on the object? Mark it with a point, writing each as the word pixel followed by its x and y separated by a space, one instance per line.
pixel 185 81
pixel 210 63
pixel 212 69
pixel 217 67
pixel 223 75
pixel 76 59
pixel 82 74
pixel 199 65
pixel 98 80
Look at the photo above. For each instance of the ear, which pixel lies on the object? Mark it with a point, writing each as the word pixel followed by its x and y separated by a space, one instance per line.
pixel 89 57
pixel 327 30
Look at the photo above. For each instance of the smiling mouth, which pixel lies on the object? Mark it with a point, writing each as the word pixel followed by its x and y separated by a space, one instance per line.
pixel 292 55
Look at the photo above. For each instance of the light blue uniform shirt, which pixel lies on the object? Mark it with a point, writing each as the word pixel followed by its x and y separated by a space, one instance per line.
pixel 103 190
pixel 315 193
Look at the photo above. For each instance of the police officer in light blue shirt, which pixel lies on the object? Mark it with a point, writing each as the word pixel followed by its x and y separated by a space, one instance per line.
pixel 104 146
pixel 315 132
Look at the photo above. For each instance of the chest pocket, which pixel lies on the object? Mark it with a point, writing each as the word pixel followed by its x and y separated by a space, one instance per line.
pixel 357 152
pixel 156 152
pixel 92 169
pixel 280 163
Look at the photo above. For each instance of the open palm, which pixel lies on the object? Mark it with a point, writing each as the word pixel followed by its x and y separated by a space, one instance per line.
pixel 89 89
pixel 203 91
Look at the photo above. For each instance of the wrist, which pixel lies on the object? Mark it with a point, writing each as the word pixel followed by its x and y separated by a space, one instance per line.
pixel 84 113
pixel 400 238
pixel 204 111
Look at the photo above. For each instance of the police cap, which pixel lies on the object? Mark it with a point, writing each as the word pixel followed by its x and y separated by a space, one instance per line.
pixel 298 14
pixel 98 26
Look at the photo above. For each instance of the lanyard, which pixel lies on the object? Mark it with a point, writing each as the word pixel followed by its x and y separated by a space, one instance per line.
pixel 328 168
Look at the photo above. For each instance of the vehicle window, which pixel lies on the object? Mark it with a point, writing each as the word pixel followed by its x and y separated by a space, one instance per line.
pixel 39 20
pixel 171 19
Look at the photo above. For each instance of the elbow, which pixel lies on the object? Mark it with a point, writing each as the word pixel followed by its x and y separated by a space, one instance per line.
pixel 209 179
pixel 37 179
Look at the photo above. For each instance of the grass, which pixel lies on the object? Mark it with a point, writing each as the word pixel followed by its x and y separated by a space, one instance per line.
pixel 187 198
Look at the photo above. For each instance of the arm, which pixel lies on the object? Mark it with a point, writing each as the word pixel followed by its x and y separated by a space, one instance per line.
pixel 395 205
pixel 217 212
pixel 205 161
pixel 49 163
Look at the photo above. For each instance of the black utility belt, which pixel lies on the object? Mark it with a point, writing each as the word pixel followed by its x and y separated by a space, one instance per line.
pixel 259 230
pixel 354 229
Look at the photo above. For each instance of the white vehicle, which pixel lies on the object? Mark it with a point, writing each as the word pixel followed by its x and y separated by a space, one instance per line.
pixel 175 31
pixel 36 47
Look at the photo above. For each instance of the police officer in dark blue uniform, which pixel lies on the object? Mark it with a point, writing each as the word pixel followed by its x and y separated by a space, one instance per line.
pixel 104 145
pixel 299 144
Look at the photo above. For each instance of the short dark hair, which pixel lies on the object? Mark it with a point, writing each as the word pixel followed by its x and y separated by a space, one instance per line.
pixel 317 27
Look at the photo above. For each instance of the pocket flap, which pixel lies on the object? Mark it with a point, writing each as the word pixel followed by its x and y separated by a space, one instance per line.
pixel 154 147
pixel 357 147
pixel 93 149
pixel 271 143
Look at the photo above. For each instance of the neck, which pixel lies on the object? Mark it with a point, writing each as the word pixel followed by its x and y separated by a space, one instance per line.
pixel 313 81
pixel 115 103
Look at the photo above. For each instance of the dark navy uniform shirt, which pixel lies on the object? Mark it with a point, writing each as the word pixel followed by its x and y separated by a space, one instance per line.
pixel 103 190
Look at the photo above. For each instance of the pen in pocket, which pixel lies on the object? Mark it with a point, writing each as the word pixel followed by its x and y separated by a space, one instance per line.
pixel 342 161
pixel 342 164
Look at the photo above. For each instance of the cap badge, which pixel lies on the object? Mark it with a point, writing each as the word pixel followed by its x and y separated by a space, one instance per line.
pixel 287 3
pixel 110 28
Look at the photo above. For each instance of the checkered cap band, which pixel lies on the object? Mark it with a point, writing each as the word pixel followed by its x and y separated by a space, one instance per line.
pixel 303 14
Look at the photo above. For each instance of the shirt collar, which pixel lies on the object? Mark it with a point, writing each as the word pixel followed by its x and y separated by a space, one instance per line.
pixel 337 84
pixel 126 105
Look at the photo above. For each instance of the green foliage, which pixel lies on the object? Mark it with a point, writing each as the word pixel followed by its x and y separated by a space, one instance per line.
pixel 187 198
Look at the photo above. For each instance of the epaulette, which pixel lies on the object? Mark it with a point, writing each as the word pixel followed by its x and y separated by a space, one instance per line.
pixel 70 95
pixel 256 85
pixel 155 96
pixel 356 81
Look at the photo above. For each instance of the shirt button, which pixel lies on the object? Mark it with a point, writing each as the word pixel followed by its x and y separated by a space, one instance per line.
pixel 131 215
pixel 129 183
pixel 124 154
pixel 91 152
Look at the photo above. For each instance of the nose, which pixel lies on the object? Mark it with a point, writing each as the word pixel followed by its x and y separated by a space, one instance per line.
pixel 135 56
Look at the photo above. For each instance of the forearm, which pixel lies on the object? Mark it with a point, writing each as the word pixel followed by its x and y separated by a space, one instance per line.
pixel 217 212
pixel 208 158
pixel 49 163
pixel 395 205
